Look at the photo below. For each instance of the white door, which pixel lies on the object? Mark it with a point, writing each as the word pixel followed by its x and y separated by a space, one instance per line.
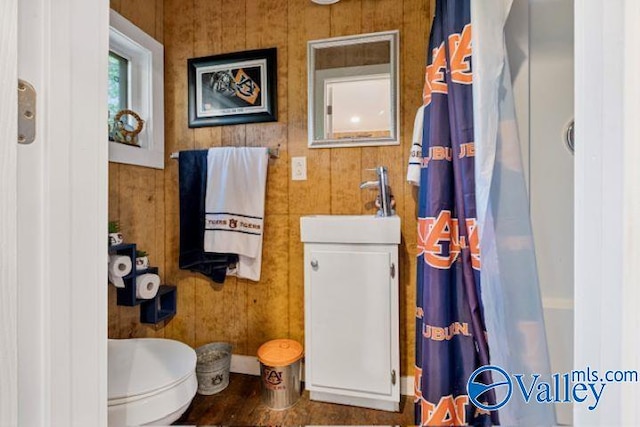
pixel 53 214
pixel 32 351
pixel 8 235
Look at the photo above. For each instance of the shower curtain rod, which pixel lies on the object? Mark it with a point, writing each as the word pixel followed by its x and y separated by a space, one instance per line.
pixel 274 153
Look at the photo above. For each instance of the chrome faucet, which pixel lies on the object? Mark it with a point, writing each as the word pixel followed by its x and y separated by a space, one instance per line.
pixel 385 194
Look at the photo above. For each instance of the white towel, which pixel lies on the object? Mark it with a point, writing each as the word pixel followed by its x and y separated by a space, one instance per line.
pixel 415 157
pixel 234 220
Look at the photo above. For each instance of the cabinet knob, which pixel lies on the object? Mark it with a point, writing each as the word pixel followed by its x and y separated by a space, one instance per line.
pixel 314 264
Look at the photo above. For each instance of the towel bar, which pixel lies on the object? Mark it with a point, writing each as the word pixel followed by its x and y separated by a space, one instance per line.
pixel 274 153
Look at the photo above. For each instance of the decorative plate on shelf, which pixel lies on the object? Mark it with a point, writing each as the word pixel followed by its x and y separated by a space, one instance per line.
pixel 121 131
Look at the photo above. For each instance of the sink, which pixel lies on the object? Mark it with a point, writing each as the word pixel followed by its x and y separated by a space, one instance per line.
pixel 350 229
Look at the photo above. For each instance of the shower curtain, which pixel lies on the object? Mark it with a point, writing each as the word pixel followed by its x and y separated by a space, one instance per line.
pixel 510 290
pixel 473 202
pixel 450 329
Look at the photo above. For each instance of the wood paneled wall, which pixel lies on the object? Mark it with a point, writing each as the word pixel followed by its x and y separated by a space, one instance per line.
pixel 136 194
pixel 242 312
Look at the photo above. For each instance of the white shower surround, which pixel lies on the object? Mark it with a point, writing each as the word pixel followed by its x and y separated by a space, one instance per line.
pixel 540 45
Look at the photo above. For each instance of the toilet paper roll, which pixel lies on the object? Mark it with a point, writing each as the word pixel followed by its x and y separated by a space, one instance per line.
pixel 119 266
pixel 116 281
pixel 147 286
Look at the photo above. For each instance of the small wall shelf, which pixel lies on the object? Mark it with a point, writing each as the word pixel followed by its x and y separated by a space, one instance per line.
pixel 155 310
pixel 161 307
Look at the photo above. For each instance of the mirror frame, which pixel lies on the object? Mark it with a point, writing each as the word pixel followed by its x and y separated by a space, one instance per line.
pixel 393 38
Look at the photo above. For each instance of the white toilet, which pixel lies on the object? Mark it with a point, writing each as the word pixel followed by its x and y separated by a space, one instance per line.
pixel 151 381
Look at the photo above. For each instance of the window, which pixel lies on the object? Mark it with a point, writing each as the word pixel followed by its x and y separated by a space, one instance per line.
pixel 118 84
pixel 136 72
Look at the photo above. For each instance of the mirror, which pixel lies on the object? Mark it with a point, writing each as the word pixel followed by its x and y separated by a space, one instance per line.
pixel 353 91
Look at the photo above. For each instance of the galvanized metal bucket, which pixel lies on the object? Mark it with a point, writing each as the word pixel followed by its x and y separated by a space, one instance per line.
pixel 280 369
pixel 212 368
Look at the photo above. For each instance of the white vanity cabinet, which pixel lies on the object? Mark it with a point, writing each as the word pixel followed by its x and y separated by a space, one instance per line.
pixel 351 310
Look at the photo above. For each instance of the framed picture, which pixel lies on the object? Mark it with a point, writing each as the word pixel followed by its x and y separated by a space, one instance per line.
pixel 233 88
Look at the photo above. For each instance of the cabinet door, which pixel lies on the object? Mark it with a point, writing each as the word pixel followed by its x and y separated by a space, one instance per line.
pixel 350 321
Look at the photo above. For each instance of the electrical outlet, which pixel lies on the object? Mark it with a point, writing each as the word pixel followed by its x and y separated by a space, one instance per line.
pixel 298 168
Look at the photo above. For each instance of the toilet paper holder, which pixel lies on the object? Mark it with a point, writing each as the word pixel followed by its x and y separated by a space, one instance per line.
pixel 154 310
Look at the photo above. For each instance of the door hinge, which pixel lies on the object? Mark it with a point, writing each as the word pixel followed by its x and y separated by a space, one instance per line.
pixel 393 377
pixel 26 112
pixel 393 270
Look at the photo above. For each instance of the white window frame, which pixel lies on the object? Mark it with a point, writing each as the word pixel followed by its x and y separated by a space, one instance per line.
pixel 146 92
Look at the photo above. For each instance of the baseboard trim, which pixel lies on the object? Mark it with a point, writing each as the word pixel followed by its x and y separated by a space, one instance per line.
pixel 406 386
pixel 558 303
pixel 363 402
pixel 250 365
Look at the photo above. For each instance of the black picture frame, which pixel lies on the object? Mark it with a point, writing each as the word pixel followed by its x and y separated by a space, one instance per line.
pixel 233 88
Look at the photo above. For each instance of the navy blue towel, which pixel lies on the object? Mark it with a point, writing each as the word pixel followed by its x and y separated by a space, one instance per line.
pixel 193 188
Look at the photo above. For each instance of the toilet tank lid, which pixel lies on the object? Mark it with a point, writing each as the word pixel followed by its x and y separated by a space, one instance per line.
pixel 140 366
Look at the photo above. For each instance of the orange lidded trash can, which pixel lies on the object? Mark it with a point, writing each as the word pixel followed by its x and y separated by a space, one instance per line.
pixel 280 369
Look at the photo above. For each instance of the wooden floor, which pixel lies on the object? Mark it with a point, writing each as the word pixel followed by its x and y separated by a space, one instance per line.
pixel 240 405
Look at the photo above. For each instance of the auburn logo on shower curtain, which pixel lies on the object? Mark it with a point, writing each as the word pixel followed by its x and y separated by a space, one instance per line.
pixel 450 332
